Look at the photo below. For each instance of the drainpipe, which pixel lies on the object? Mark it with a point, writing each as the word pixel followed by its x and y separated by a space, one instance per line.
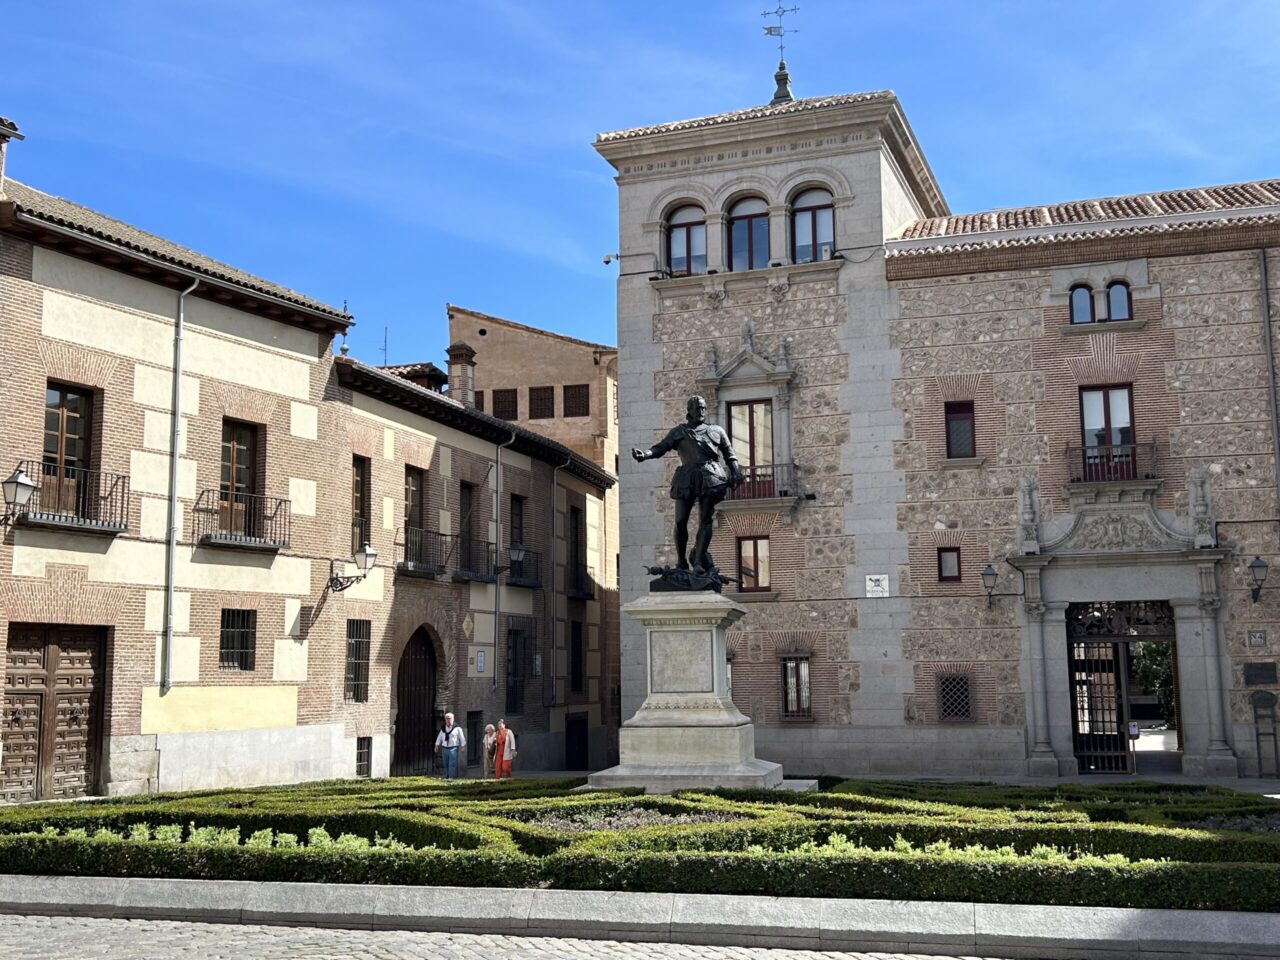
pixel 1271 360
pixel 497 558
pixel 171 543
pixel 549 670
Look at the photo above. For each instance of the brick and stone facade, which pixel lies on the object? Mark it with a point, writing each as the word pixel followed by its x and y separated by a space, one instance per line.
pixel 909 313
pixel 89 305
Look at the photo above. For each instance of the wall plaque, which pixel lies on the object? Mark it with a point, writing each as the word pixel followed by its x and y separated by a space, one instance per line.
pixel 1260 673
pixel 1257 638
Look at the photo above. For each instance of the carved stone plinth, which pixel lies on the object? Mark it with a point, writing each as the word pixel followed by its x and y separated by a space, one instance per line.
pixel 687 734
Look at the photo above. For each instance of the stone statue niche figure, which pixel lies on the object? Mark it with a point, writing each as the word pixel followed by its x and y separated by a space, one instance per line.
pixel 708 471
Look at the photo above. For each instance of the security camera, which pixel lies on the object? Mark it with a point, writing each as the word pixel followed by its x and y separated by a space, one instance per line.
pixel 610 257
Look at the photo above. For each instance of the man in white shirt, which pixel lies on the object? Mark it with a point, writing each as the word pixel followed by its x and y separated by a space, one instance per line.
pixel 449 741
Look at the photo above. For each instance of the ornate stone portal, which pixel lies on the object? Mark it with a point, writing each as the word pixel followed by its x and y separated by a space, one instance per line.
pixel 687 734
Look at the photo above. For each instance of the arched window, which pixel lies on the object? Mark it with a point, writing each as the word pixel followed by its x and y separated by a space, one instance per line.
pixel 687 241
pixel 1082 304
pixel 1119 301
pixel 748 234
pixel 812 227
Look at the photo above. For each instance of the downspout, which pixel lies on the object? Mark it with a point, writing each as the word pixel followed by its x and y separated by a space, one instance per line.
pixel 171 543
pixel 1271 360
pixel 549 670
pixel 497 558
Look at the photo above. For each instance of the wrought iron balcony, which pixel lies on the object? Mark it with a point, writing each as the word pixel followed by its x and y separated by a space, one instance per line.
pixel 578 584
pixel 469 559
pixel 1110 463
pixel 74 498
pixel 766 481
pixel 246 521
pixel 423 553
pixel 527 571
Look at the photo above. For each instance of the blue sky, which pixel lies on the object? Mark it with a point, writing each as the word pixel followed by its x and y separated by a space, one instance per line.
pixel 401 155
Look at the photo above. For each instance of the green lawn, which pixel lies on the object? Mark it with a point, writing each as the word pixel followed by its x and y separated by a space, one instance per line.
pixel 1117 845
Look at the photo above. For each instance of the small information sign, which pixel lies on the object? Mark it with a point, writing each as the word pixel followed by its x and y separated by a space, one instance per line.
pixel 878 585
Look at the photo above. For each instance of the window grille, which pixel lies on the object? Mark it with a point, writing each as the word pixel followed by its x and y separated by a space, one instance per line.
pixel 542 403
pixel 239 639
pixel 480 400
pixel 357 682
pixel 961 435
pixel 955 699
pixel 795 689
pixel 577 400
pixel 504 405
pixel 364 756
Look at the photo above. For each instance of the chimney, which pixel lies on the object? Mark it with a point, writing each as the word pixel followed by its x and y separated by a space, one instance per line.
pixel 462 381
pixel 8 131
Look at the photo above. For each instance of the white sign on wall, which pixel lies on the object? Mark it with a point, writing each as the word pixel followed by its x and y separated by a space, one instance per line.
pixel 877 585
pixel 479 661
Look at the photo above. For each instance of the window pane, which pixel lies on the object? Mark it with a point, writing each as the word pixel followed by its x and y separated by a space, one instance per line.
pixel 948 564
pixel 679 251
pixel 746 564
pixel 791 686
pixel 690 214
pixel 961 440
pixel 1118 302
pixel 748 206
pixel 759 242
pixel 826 228
pixel 762 563
pixel 698 249
pixel 741 249
pixel 762 440
pixel 1081 305
pixel 812 198
pixel 802 668
pixel 1121 428
pixel 803 227
pixel 1095 424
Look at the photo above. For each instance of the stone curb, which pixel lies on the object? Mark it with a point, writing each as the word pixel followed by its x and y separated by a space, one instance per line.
pixel 890 926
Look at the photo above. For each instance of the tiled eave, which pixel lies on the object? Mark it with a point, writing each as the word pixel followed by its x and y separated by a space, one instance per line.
pixel 910 259
pixel 437 407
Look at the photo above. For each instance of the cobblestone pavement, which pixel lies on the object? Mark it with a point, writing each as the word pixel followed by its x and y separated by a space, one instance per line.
pixel 62 938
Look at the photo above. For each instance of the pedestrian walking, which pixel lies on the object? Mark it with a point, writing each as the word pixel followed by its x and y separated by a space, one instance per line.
pixel 449 741
pixel 504 751
pixel 490 748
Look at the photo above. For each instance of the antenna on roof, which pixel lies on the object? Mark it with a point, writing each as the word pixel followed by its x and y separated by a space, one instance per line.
pixel 384 345
pixel 782 93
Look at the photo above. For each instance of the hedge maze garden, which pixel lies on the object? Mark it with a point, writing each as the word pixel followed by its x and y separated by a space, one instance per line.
pixel 1138 845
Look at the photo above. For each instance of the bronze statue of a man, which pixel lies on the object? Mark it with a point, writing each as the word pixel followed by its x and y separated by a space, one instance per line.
pixel 708 471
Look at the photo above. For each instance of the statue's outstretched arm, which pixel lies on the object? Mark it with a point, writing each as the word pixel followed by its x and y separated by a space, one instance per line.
pixel 659 449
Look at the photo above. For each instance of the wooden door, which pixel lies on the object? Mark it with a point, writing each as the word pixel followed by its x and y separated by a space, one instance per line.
pixel 238 481
pixel 52 712
pixel 68 419
pixel 415 735
pixel 576 742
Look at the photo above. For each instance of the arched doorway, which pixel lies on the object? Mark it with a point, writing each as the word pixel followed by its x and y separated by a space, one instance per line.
pixel 415 707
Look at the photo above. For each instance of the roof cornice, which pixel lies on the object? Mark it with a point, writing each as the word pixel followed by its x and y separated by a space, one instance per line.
pixel 439 408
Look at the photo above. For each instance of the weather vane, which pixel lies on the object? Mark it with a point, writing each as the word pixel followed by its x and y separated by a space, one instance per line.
pixel 778 30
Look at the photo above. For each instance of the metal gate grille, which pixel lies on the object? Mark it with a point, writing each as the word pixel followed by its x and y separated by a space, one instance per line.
pixel 1098 722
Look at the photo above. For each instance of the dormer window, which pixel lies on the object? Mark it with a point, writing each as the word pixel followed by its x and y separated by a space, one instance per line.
pixel 687 242
pixel 1082 304
pixel 812 227
pixel 1119 302
pixel 748 234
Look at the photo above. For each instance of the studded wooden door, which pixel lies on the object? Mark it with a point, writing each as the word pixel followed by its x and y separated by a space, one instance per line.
pixel 52 722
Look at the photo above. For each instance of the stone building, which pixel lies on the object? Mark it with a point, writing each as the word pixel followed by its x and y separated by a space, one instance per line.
pixel 994 461
pixel 182 605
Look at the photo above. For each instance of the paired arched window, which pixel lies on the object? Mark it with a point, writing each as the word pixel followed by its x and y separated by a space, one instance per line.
pixel 687 241
pixel 812 227
pixel 1119 301
pixel 748 234
pixel 1082 304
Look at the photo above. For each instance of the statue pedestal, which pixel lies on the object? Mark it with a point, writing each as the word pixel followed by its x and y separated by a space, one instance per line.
pixel 687 734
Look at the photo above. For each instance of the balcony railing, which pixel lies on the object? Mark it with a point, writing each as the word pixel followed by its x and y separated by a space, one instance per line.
pixel 75 498
pixel 1111 462
pixel 469 559
pixel 765 481
pixel 578 583
pixel 248 521
pixel 527 571
pixel 360 528
pixel 422 552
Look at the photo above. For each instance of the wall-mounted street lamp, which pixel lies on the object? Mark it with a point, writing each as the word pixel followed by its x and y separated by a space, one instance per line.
pixel 364 558
pixel 515 554
pixel 17 494
pixel 1257 573
pixel 989 578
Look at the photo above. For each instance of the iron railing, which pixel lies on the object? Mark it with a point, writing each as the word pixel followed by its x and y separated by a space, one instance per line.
pixel 360 527
pixel 764 481
pixel 423 552
pixel 1112 461
pixel 469 559
pixel 76 497
pixel 578 583
pixel 248 520
pixel 527 571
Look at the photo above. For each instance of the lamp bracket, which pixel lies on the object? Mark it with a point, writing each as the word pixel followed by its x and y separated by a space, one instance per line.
pixel 337 583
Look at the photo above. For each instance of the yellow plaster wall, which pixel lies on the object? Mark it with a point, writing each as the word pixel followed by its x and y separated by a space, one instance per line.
pixel 201 709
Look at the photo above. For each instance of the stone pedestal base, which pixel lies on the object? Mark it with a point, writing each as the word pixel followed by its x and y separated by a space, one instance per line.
pixel 687 734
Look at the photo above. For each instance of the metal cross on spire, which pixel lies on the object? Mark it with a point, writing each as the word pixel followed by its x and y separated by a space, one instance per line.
pixel 778 30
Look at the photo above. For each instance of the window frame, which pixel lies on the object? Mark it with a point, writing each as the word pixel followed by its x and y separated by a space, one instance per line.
pixel 804 687
pixel 751 455
pixel 356 674
pixel 812 210
pixel 948 551
pixel 542 403
pixel 752 226
pixel 238 642
pixel 515 519
pixel 1105 390
pixel 755 557
pixel 956 411
pixel 415 497
pixel 361 497
pixel 364 757
pixel 478 397
pixel 1128 301
pixel 943 716
pixel 687 229
pixel 577 679
pixel 571 402
pixel 505 400
pixel 1071 306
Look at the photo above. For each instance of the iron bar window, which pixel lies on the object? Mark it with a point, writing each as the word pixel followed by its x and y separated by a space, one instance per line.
pixel 542 403
pixel 359 633
pixel 238 640
pixel 795 688
pixel 955 698
pixel 577 400
pixel 962 438
pixel 480 400
pixel 505 405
